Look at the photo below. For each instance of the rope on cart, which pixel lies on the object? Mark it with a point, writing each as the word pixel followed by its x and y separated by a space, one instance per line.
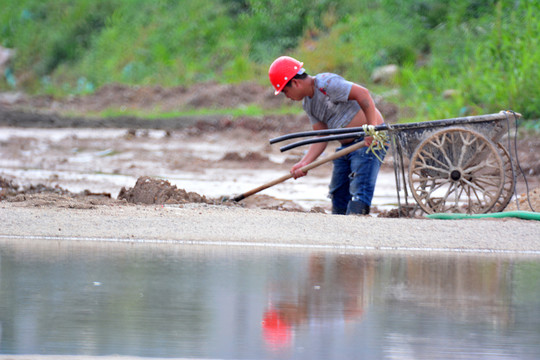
pixel 380 140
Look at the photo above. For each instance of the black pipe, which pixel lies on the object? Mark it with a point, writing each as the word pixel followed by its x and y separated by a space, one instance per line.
pixel 321 139
pixel 359 131
pixel 326 132
pixel 425 124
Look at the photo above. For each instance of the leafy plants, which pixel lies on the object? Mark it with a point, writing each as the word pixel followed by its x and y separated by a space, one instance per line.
pixel 459 58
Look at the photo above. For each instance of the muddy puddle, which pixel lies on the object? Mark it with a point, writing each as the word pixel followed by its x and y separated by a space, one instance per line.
pixel 207 302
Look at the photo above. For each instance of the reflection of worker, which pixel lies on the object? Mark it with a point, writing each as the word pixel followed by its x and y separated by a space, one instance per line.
pixel 276 330
pixel 320 297
pixel 332 102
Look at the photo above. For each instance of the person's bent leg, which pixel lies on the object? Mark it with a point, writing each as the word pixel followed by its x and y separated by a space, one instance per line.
pixel 339 186
pixel 366 168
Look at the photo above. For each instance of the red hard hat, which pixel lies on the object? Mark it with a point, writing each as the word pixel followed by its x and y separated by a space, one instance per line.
pixel 282 71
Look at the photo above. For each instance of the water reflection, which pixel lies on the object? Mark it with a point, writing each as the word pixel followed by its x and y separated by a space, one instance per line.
pixel 334 289
pixel 219 302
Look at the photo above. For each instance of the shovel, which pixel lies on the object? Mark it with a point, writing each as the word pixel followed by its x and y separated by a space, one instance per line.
pixel 313 165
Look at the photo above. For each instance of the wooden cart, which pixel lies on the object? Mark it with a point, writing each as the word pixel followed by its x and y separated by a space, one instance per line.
pixel 458 165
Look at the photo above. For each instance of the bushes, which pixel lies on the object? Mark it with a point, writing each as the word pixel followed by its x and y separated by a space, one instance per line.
pixel 487 50
pixel 492 62
pixel 49 34
pixel 275 26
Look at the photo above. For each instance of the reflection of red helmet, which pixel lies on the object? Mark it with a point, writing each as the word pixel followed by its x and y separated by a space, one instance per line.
pixel 282 71
pixel 276 331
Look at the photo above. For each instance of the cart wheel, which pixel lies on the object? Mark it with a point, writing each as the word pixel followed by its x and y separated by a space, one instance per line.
pixel 456 170
pixel 509 180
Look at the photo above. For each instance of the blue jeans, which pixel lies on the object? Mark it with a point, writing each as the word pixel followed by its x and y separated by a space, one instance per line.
pixel 354 177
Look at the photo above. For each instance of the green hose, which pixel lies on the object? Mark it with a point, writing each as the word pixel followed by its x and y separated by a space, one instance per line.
pixel 527 215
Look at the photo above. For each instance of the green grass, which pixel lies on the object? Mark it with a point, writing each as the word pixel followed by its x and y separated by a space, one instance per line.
pixel 246 111
pixel 486 51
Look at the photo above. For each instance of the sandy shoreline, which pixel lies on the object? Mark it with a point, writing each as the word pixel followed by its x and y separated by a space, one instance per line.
pixel 200 224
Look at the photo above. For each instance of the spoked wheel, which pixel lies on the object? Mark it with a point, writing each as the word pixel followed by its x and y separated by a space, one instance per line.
pixel 509 180
pixel 456 170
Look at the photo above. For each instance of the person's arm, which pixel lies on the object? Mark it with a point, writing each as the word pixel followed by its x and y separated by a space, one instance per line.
pixel 361 95
pixel 314 151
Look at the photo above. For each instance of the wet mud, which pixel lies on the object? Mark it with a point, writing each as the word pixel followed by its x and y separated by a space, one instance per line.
pixel 143 147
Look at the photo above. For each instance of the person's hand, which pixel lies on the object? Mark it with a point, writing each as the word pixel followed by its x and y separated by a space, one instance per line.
pixel 296 170
pixel 368 140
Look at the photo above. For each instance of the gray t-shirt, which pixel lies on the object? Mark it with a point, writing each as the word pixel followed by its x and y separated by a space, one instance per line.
pixel 330 103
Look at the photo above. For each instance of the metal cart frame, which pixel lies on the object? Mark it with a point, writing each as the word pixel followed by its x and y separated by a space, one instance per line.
pixel 457 165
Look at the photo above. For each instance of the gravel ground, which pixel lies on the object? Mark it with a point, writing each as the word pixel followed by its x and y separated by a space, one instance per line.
pixel 196 224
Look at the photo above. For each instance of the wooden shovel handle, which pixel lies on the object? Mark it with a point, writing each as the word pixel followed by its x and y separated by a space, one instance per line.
pixel 306 168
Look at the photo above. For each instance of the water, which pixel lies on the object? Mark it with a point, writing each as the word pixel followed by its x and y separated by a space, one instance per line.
pixel 79 298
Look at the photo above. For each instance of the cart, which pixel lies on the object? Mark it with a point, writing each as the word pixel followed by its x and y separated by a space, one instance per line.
pixel 458 165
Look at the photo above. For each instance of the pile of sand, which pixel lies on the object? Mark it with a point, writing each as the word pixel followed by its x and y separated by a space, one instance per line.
pixel 148 190
pixel 9 190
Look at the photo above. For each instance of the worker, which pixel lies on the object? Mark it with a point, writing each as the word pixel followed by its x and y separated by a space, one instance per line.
pixel 331 102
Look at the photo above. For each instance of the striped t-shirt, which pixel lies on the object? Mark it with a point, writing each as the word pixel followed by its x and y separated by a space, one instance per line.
pixel 330 103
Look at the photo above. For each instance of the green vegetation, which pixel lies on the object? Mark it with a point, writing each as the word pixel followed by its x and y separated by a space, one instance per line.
pixel 486 51
pixel 250 111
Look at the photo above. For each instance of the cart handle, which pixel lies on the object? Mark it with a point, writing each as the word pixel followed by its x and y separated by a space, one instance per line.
pixel 356 132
